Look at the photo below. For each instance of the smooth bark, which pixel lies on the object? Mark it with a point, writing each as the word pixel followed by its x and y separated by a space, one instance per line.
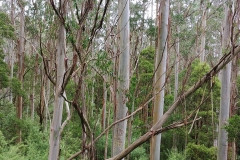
pixel 104 107
pixel 225 91
pixel 123 78
pixel 160 76
pixel 203 30
pixel 177 61
pixel 11 49
pixel 21 65
pixel 58 99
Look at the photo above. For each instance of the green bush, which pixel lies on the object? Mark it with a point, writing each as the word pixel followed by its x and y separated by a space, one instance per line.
pixel 233 127
pixel 200 152
pixel 175 155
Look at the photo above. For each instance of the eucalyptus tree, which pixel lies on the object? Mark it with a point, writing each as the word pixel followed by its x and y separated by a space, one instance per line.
pixel 11 48
pixel 177 62
pixel 21 62
pixel 225 86
pixel 233 143
pixel 203 29
pixel 119 133
pixel 160 75
pixel 58 99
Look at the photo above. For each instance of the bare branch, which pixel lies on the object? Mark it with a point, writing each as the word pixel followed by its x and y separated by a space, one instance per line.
pixel 223 61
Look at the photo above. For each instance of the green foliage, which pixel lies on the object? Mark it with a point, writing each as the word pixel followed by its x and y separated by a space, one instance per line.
pixel 6 29
pixel 13 153
pixel 175 155
pixel 35 140
pixel 70 89
pixel 8 121
pixel 35 143
pixel 34 146
pixel 4 72
pixel 103 63
pixel 152 29
pixel 70 139
pixel 200 152
pixel 100 147
pixel 3 143
pixel 203 129
pixel 139 153
pixel 143 81
pixel 14 84
pixel 233 127
pixel 16 89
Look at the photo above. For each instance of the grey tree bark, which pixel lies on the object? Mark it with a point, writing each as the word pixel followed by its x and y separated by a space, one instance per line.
pixel 119 132
pixel 11 49
pixel 58 99
pixel 203 30
pixel 225 89
pixel 176 72
pixel 21 64
pixel 159 79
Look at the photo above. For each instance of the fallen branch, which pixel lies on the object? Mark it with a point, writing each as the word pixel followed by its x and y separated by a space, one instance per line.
pixel 150 134
pixel 222 62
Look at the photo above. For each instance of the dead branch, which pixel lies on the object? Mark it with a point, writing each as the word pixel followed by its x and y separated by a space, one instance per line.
pixel 156 127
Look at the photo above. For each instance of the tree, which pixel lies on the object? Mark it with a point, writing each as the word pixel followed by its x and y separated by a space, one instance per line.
pixel 159 79
pixel 176 86
pixel 121 109
pixel 203 30
pixel 225 88
pixel 79 57
pixel 58 99
pixel 21 64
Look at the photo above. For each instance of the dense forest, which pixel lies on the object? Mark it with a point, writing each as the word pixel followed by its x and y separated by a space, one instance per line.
pixel 119 79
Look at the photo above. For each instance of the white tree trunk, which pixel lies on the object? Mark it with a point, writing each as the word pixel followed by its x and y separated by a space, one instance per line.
pixel 225 91
pixel 58 99
pixel 21 65
pixel 159 79
pixel 176 73
pixel 104 103
pixel 106 141
pixel 11 49
pixel 203 30
pixel 119 134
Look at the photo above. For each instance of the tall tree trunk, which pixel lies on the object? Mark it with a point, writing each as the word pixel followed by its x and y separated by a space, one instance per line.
pixel 159 79
pixel 46 99
pixel 123 78
pixel 11 49
pixel 20 65
pixel 32 107
pixel 104 103
pixel 233 101
pixel 84 112
pixel 58 99
pixel 225 90
pixel 130 127
pixel 42 99
pixel 203 30
pixel 176 73
pixel 106 141
pixel 234 91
